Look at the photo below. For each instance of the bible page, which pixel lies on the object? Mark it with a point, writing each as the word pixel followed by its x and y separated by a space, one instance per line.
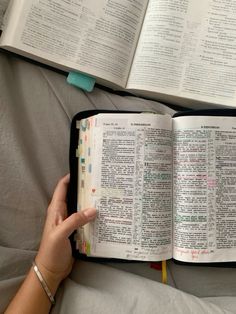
pixel 187 49
pixel 130 185
pixel 204 189
pixel 96 37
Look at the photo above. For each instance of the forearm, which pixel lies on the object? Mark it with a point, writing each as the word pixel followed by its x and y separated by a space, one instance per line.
pixel 31 297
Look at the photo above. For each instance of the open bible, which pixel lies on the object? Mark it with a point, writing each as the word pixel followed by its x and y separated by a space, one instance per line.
pixel 177 51
pixel 163 187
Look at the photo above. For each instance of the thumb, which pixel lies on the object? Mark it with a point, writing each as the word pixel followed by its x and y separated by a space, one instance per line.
pixel 76 220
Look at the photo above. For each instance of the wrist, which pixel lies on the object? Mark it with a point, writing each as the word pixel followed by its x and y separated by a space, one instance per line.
pixel 52 279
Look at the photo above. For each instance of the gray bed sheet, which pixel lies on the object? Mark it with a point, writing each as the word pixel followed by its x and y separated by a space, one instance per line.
pixel 36 108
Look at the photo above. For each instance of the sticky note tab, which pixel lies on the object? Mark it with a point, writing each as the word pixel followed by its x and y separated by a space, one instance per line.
pixel 83 81
pixel 84 247
pixel 88 248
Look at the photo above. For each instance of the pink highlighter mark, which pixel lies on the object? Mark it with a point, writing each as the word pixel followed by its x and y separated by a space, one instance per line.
pixel 211 183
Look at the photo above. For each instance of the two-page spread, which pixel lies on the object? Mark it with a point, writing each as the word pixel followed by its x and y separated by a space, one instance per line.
pixel 173 51
pixel 163 187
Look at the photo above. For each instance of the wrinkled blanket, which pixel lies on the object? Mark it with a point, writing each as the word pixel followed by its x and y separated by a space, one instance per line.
pixel 36 108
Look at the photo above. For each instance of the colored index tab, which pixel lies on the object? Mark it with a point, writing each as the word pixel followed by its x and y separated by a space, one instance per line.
pixel 83 81
pixel 88 248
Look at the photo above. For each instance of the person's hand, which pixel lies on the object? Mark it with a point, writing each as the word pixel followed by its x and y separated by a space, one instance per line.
pixel 54 258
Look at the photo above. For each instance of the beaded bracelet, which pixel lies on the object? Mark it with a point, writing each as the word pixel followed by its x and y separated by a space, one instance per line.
pixel 43 283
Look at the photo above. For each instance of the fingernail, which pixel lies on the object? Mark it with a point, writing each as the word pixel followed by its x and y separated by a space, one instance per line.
pixel 90 212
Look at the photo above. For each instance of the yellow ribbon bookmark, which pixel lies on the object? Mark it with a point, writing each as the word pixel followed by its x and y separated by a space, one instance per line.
pixel 163 272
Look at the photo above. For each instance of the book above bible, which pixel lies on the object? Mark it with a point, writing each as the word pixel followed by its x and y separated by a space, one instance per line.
pixel 163 187
pixel 177 51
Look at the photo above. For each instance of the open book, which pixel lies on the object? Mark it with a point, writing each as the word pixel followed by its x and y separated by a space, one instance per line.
pixel 163 187
pixel 171 50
